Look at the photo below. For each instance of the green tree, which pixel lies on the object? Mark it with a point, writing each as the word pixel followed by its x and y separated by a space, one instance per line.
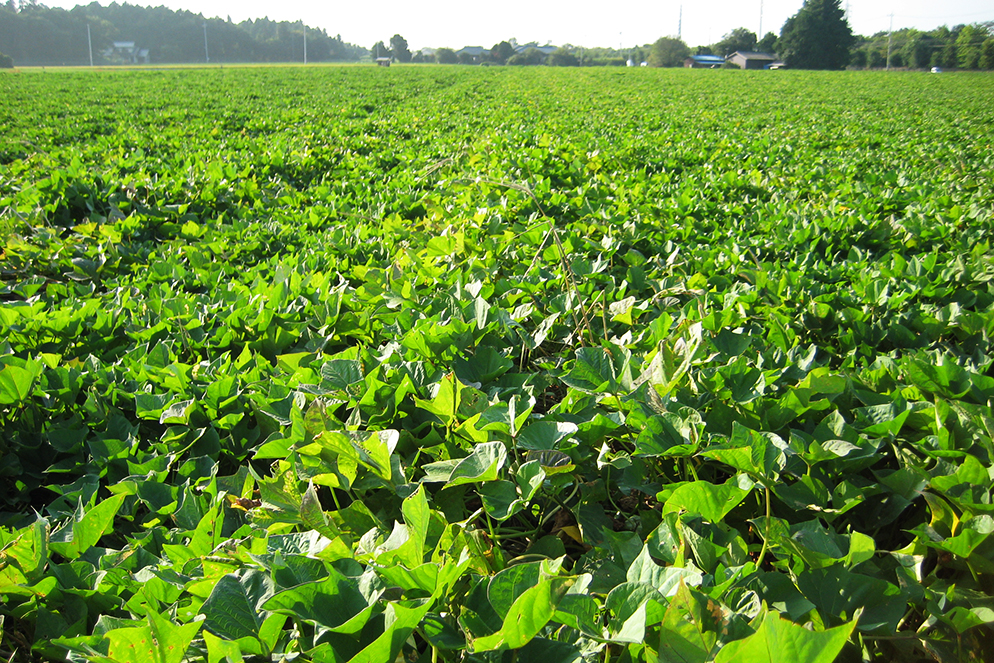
pixel 562 57
pixel 738 39
pixel 768 44
pixel 379 50
pixel 446 56
pixel 668 52
pixel 817 37
pixel 947 56
pixel 6 62
pixel 399 49
pixel 969 44
pixel 987 54
pixel 532 56
pixel 918 50
pixel 501 52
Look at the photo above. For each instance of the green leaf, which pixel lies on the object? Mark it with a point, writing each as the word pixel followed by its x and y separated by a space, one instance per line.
pixel 172 640
pixel 417 517
pixel 313 516
pixel 332 602
pixel 15 385
pixel 540 435
pixel 440 633
pixel 178 413
pixel 593 371
pixel 552 462
pixel 780 641
pixel 705 498
pixel 529 614
pixel 529 476
pixel 760 455
pixel 399 623
pixel 222 651
pixel 453 401
pixel 667 434
pixel 505 587
pixel 482 464
pixel 666 579
pixel 963 619
pixel 340 374
pixel 500 499
pixel 371 449
pixel 630 604
pixel 838 593
pixel 689 630
pixel 484 366
pixel 87 530
pixel 234 608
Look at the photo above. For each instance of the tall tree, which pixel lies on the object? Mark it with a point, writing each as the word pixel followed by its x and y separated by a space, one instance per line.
pixel 918 50
pixel 768 44
pixel 563 57
pixel 501 52
pixel 738 39
pixel 446 56
pixel 969 45
pixel 668 52
pixel 987 54
pixel 398 46
pixel 379 50
pixel 818 36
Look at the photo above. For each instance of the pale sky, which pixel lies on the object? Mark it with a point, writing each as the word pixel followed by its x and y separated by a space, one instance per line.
pixel 455 24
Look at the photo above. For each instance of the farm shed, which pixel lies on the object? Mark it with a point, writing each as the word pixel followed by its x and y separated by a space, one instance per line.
pixel 704 62
pixel 750 60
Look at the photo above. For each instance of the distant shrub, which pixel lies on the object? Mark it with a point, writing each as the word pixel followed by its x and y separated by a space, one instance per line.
pixel 6 62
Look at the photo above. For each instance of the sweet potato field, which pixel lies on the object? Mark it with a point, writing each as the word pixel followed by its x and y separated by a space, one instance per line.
pixel 496 365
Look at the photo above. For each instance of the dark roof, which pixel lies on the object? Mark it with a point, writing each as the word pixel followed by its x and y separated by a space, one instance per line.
pixel 473 50
pixel 750 55
pixel 547 49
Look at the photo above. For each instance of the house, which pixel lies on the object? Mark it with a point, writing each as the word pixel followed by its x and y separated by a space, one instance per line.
pixel 383 62
pixel 474 54
pixel 126 51
pixel 704 62
pixel 750 60
pixel 548 49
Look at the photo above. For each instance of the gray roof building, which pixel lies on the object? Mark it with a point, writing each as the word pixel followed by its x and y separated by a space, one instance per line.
pixel 751 60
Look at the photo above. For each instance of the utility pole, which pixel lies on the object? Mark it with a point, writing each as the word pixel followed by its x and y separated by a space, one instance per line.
pixel 679 25
pixel 207 55
pixel 89 42
pixel 889 34
pixel 305 39
pixel 760 19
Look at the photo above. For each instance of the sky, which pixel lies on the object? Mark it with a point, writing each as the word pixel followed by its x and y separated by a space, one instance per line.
pixel 458 23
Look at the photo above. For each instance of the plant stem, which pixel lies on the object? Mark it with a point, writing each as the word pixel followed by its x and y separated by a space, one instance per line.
pixel 766 534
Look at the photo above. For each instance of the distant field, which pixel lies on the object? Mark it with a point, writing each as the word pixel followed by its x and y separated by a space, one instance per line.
pixel 342 363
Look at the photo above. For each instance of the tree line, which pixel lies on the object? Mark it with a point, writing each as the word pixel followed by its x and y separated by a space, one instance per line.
pixel 818 36
pixel 33 34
